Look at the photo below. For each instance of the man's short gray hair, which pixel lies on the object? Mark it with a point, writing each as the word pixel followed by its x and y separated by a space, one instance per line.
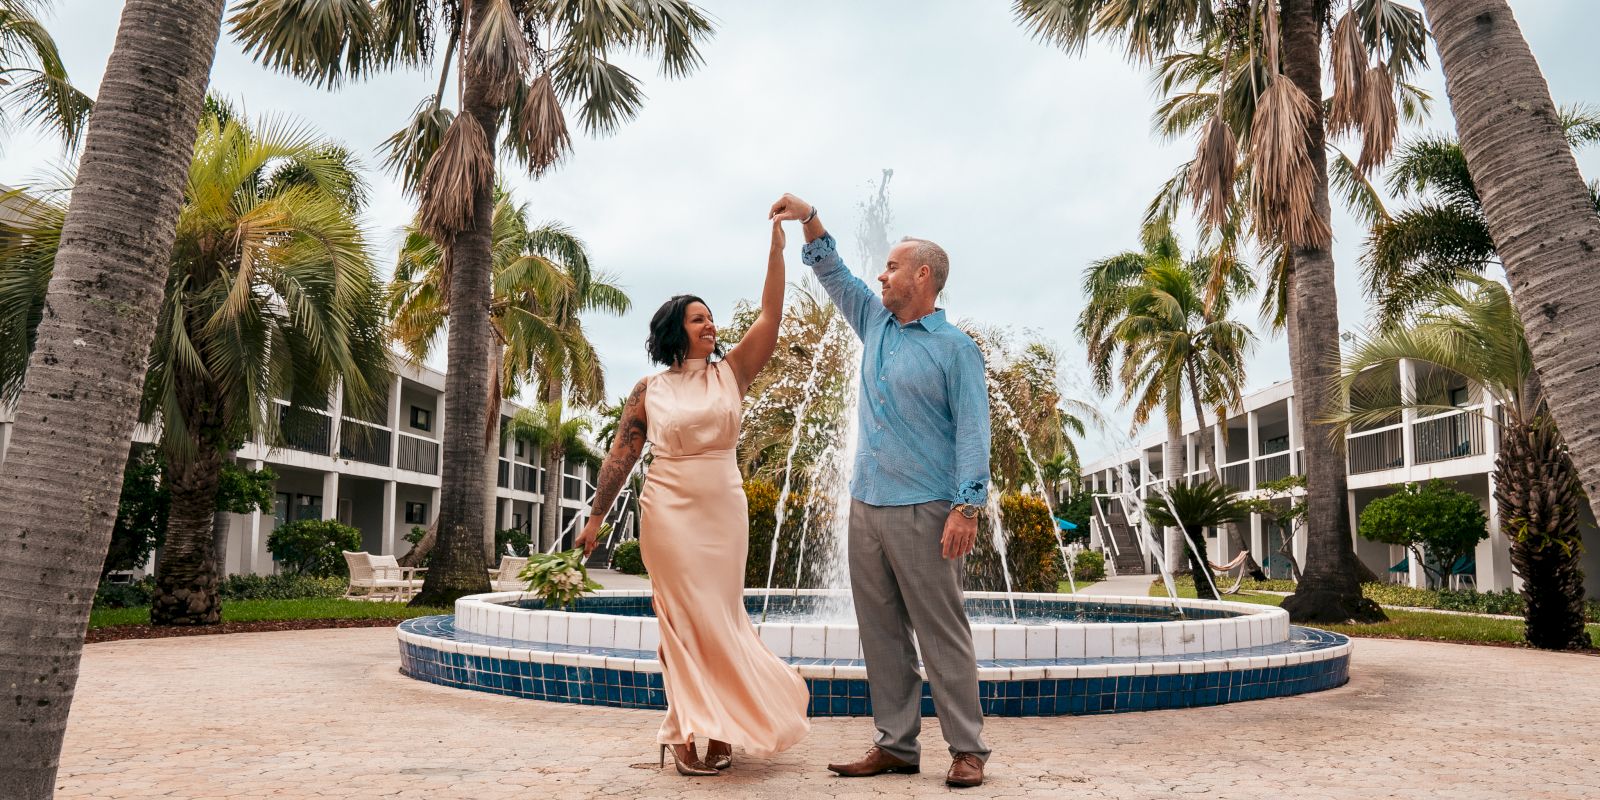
pixel 926 252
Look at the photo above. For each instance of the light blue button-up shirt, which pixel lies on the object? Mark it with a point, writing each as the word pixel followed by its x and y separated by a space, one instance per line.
pixel 924 398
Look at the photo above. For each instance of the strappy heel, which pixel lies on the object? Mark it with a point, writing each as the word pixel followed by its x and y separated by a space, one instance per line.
pixel 695 767
pixel 720 761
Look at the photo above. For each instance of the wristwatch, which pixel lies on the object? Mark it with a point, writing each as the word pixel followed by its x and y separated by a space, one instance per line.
pixel 967 510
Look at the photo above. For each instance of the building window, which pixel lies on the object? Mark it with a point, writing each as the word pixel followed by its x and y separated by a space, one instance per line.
pixel 520 449
pixel 416 513
pixel 1276 444
pixel 1460 397
pixel 421 418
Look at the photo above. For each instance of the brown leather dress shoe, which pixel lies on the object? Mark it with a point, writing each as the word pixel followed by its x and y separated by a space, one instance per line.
pixel 965 770
pixel 876 762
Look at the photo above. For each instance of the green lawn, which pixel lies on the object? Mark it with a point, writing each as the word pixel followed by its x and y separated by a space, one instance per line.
pixel 262 610
pixel 1422 625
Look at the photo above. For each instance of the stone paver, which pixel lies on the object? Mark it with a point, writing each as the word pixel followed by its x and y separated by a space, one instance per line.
pixel 325 714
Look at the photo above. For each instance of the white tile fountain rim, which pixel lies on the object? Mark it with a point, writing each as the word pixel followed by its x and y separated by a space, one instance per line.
pixel 1257 625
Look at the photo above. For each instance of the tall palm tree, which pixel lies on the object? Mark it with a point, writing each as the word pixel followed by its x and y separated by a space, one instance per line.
pixel 1274 124
pixel 519 65
pixel 532 265
pixel 271 294
pixel 78 406
pixel 1471 330
pixel 560 436
pixel 34 87
pixel 1444 235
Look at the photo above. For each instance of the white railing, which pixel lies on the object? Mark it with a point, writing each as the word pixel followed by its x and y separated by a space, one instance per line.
pixel 1454 434
pixel 1377 449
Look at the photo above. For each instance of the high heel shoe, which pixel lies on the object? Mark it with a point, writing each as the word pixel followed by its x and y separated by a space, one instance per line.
pixel 694 766
pixel 722 758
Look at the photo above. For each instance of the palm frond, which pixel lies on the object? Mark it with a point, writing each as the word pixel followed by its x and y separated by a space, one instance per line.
pixel 408 150
pixel 463 164
pixel 323 42
pixel 538 130
pixel 1284 182
pixel 606 94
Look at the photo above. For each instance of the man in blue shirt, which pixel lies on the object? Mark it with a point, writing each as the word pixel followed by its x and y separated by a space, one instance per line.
pixel 921 478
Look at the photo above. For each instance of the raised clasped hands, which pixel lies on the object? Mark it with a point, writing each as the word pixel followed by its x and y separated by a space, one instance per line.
pixel 789 207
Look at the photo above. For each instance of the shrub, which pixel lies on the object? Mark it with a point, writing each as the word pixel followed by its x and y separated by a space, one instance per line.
pixel 1031 550
pixel 1435 523
pixel 762 497
pixel 626 558
pixel 519 539
pixel 124 595
pixel 281 587
pixel 1089 566
pixel 312 547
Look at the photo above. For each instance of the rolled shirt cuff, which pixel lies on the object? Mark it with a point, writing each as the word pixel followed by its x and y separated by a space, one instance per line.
pixel 818 249
pixel 972 493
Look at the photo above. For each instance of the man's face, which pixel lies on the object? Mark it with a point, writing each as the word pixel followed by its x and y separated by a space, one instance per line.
pixel 900 278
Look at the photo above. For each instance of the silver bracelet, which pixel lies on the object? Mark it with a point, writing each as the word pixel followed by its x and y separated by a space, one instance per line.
pixel 811 216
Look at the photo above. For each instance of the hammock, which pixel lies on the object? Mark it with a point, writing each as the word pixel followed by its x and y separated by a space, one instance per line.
pixel 1236 563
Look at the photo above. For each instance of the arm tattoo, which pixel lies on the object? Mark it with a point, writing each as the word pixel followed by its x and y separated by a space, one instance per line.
pixel 625 452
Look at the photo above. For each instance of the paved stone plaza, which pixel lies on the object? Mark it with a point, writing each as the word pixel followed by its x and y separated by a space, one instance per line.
pixel 325 714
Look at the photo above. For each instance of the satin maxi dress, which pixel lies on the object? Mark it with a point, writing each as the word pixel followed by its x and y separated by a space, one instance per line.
pixel 721 681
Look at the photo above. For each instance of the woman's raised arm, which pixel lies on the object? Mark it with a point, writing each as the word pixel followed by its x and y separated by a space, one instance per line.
pixel 753 352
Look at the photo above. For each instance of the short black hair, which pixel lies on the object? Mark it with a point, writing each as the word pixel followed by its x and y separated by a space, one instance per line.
pixel 668 342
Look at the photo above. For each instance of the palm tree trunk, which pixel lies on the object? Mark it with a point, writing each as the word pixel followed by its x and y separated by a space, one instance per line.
pixel 550 461
pixel 1173 466
pixel 1536 206
pixel 456 566
pixel 62 474
pixel 492 449
pixel 1330 590
pixel 1209 442
pixel 187 580
pixel 1537 489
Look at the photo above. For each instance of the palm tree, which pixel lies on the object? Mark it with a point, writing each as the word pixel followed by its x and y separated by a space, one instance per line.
pixel 520 63
pixel 34 87
pixel 78 406
pixel 1444 236
pixel 271 294
pixel 1193 508
pixel 533 268
pixel 1471 330
pixel 1273 124
pixel 559 437
pixel 1147 308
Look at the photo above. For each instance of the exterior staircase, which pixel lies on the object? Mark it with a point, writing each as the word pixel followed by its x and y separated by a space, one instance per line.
pixel 1128 558
pixel 621 518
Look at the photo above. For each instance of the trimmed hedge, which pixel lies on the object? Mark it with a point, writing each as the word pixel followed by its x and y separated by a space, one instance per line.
pixel 233 588
pixel 626 558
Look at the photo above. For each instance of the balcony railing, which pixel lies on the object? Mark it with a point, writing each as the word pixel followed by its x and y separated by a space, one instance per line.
pixel 418 454
pixel 305 430
pixel 1272 468
pixel 1237 476
pixel 359 441
pixel 1457 434
pixel 1371 451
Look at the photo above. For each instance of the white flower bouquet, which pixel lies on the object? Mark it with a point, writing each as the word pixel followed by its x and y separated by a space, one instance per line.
pixel 558 579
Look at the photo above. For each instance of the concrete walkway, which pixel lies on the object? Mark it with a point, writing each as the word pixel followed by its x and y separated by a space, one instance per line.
pixel 324 714
pixel 1122 585
pixel 612 579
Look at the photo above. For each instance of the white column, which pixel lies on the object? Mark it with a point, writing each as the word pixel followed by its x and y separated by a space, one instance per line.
pixel 1408 394
pixel 1219 448
pixel 1294 437
pixel 1252 436
pixel 1258 548
pixel 388 543
pixel 256 549
pixel 336 410
pixel 330 495
pixel 394 422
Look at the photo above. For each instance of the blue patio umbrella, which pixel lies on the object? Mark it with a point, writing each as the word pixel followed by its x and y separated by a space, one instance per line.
pixel 1065 525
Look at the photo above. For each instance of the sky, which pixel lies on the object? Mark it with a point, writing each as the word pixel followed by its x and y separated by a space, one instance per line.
pixel 1025 162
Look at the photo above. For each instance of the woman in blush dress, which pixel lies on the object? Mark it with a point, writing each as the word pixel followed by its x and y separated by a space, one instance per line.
pixel 723 686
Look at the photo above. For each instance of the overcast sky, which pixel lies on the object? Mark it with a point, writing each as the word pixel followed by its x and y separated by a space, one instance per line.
pixel 1024 162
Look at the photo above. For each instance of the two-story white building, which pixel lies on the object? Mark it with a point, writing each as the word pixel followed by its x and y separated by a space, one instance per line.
pixel 1260 442
pixel 380 475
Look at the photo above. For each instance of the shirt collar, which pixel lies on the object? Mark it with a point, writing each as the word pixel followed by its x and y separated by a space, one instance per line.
pixel 929 323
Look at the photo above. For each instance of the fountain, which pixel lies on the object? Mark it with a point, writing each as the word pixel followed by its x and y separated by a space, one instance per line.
pixel 1038 654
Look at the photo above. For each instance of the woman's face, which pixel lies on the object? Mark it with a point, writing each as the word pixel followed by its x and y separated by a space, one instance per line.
pixel 701 329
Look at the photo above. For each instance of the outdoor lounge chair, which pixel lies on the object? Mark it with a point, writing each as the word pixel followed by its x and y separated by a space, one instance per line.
pixel 378 577
pixel 505 578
